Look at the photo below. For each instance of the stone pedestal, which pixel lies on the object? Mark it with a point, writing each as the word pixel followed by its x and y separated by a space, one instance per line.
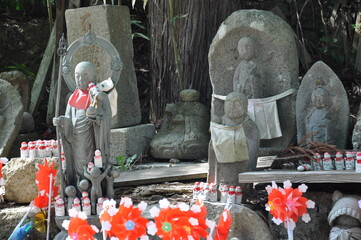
pixel 131 140
pixel 113 23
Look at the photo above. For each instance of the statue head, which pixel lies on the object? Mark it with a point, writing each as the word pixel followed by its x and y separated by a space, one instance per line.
pixel 85 72
pixel 246 48
pixel 235 105
pixel 320 98
pixel 70 191
pixel 95 172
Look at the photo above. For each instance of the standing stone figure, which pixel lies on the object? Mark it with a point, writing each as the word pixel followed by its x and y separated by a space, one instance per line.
pixel 248 75
pixel 85 126
pixel 318 120
pixel 235 142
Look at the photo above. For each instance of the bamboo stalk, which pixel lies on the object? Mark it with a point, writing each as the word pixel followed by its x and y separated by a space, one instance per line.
pixel 50 14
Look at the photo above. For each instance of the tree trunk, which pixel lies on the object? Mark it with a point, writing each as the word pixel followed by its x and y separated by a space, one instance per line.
pixel 194 36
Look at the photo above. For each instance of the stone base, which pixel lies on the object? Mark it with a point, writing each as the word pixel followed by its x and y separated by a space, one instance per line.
pixel 131 140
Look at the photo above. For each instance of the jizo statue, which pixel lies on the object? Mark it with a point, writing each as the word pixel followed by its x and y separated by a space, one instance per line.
pixel 85 127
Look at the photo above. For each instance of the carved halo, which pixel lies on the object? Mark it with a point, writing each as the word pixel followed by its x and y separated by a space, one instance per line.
pixel 90 39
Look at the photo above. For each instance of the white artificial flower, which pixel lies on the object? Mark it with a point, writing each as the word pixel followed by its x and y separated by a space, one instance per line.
pixel 183 207
pixel 106 225
pixel 287 184
pixel 154 211
pixel 303 188
pixel 290 224
pixel 306 217
pixel 82 215
pixel 274 185
pixel 66 224
pixel 142 206
pixel 282 190
pixel 126 201
pixel 190 237
pixel 73 212
pixel 269 189
pixel 225 215
pixel 94 228
pixel 267 207
pixel 114 238
pixel 277 221
pixel 164 203
pixel 37 182
pixel 112 211
pixel 109 203
pixel 144 237
pixel 193 221
pixel 196 208
pixel 310 204
pixel 151 228
pixel 210 224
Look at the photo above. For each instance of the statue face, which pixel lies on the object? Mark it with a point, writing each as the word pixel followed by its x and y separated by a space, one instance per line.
pixel 319 98
pixel 84 74
pixel 246 48
pixel 234 108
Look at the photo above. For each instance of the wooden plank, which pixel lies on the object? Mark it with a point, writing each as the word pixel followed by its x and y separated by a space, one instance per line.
pixel 158 175
pixel 300 177
pixel 38 86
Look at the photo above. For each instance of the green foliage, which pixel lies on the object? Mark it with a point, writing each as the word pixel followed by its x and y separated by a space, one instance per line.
pixel 23 68
pixel 138 24
pixel 125 164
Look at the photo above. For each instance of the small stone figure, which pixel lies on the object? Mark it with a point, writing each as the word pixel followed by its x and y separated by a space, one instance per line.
pixel 90 166
pixel 196 190
pixel 32 150
pixel 100 205
pixel 345 217
pixel 24 151
pixel 63 162
pixel 339 161
pixel 54 148
pixel 213 195
pixel 59 207
pixel 206 192
pixel 239 195
pixel 231 198
pixel 224 194
pixel 76 204
pixel 110 182
pixel 358 162
pixel 304 167
pixel 350 161
pixel 327 162
pixel 96 177
pixel 317 162
pixel 70 191
pixel 98 161
pixel 86 206
pixel 41 149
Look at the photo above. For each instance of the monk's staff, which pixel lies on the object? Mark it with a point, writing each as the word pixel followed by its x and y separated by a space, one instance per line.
pixel 62 49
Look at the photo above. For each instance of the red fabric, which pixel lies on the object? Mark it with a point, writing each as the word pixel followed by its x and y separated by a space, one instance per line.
pixel 80 99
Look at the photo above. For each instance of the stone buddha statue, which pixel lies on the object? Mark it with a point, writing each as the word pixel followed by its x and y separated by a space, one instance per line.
pixel 184 133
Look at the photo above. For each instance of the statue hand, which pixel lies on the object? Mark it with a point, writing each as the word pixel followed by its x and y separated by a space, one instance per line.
pixel 58 121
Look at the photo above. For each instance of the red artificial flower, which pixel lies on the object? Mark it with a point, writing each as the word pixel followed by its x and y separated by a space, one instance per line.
pixel 295 204
pixel 41 201
pixel 79 229
pixel 200 229
pixel 224 224
pixel 276 204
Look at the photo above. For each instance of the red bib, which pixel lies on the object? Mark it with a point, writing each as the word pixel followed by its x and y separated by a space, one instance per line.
pixel 80 99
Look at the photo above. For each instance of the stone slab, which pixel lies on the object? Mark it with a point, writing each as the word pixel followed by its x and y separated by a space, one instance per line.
pixel 113 23
pixel 157 175
pixel 11 114
pixel 131 140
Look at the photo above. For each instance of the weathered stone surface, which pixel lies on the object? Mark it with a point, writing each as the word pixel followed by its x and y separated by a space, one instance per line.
pixel 356 133
pixel 184 133
pixel 246 223
pixel 276 60
pixel 112 23
pixel 11 112
pixel 21 82
pixel 131 140
pixel 19 173
pixel 327 121
pixel 317 228
pixel 10 217
pixel 27 123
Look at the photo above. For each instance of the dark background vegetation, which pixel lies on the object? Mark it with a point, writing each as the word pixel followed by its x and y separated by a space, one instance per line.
pixel 326 30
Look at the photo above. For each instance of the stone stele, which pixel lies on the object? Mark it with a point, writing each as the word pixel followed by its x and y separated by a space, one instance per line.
pixel 277 67
pixel 11 113
pixel 329 123
pixel 184 133
pixel 113 23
